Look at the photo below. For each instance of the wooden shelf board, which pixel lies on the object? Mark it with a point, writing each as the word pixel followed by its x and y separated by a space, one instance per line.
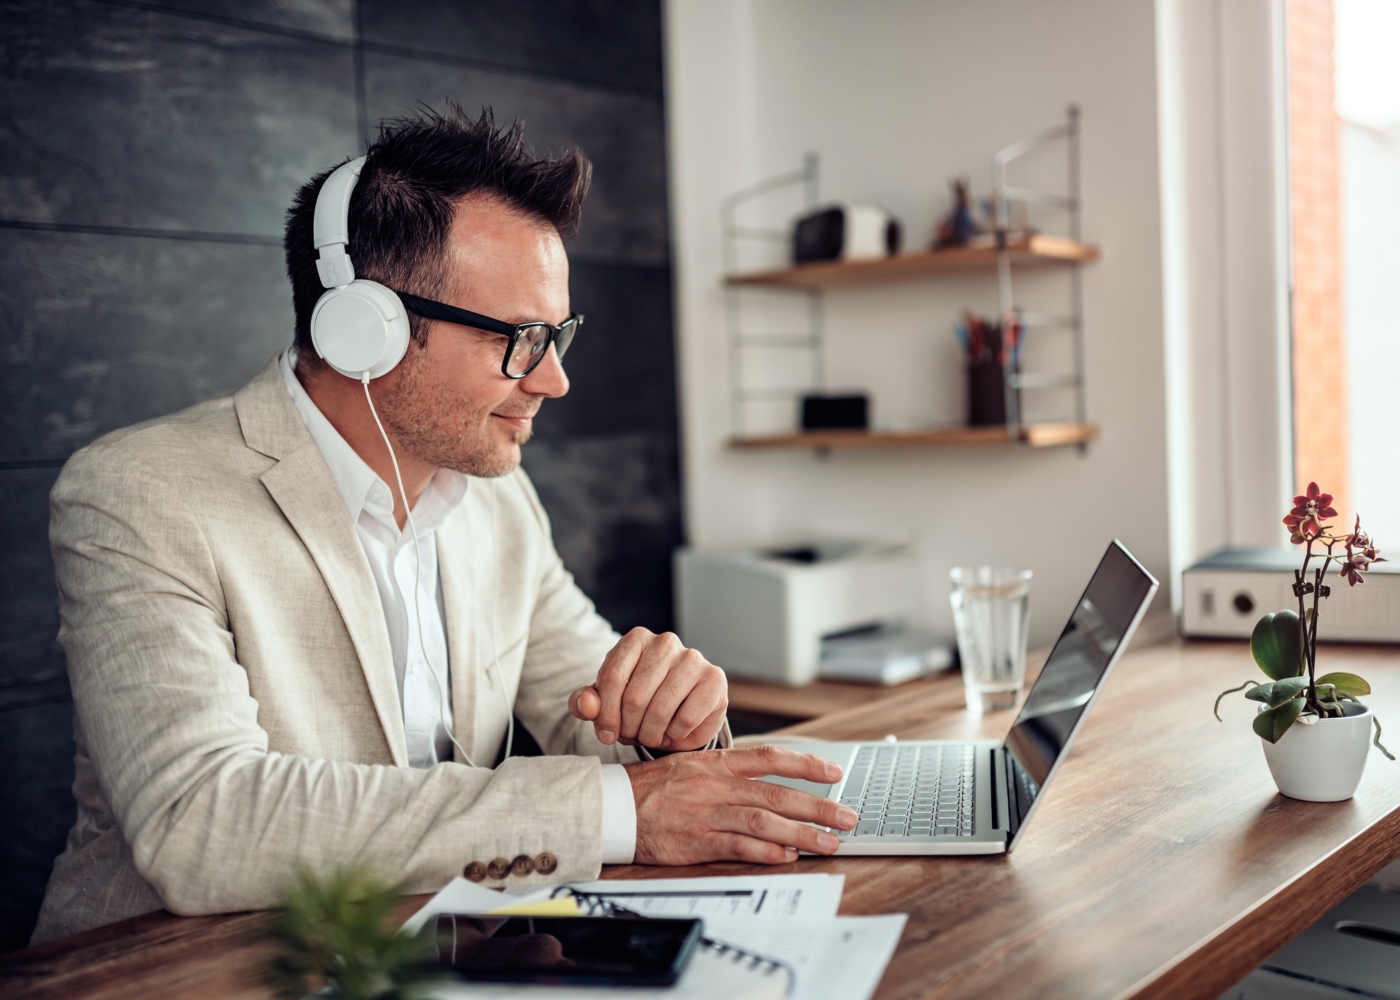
pixel 1034 435
pixel 1039 249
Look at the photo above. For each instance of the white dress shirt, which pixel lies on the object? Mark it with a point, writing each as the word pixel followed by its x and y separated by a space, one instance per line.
pixel 424 684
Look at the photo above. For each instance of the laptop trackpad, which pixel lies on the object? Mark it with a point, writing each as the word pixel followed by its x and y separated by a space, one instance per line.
pixel 811 787
pixel 840 753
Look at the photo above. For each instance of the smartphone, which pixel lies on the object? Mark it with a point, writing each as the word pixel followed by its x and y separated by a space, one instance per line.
pixel 595 951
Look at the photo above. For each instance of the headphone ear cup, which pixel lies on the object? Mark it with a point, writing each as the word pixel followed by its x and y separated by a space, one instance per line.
pixel 360 327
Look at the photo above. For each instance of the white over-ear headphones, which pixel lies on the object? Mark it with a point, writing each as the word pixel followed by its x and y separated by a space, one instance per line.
pixel 358 326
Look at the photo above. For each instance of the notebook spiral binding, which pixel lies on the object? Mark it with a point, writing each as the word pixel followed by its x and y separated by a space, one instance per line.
pixel 599 905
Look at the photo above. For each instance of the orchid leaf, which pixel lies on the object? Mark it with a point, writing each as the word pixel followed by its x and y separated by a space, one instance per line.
pixel 1286 690
pixel 1272 723
pixel 1221 697
pixel 1277 645
pixel 1261 692
pixel 1345 684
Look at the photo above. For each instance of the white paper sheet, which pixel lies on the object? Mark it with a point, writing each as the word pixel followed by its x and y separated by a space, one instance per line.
pixel 836 958
pixel 807 895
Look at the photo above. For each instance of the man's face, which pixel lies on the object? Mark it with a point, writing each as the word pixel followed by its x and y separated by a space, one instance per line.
pixel 448 402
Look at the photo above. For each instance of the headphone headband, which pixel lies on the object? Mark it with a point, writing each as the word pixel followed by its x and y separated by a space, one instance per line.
pixel 331 228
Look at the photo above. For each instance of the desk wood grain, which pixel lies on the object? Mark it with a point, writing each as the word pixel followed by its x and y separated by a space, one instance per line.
pixel 1161 864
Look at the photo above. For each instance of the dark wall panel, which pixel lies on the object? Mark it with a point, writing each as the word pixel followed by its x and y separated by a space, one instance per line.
pixel 614 504
pixel 36 758
pixel 101 331
pixel 613 42
pixel 623 134
pixel 622 364
pixel 31 664
pixel 122 117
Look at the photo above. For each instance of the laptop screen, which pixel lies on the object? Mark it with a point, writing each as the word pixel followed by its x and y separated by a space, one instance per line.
pixel 1102 620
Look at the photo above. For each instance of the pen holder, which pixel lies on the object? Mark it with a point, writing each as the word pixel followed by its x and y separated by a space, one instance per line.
pixel 986 394
pixel 989 347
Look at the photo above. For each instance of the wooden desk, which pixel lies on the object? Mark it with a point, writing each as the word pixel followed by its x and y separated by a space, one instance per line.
pixel 1162 863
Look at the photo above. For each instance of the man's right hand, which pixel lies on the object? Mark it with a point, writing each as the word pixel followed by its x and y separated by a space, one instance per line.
pixel 704 806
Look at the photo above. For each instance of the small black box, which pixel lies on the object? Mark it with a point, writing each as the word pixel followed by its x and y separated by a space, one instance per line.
pixel 830 413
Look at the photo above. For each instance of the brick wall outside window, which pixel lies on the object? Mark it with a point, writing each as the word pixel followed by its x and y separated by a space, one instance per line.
pixel 1319 332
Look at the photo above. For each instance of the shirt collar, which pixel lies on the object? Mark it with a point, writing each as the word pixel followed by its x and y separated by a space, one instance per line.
pixel 360 488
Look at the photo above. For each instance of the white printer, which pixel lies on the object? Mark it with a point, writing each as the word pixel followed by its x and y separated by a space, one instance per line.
pixel 1226 593
pixel 763 612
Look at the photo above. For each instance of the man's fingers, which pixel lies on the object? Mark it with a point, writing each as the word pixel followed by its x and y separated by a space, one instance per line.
pixel 782 762
pixel 685 679
pixel 793 804
pixel 759 823
pixel 737 847
pixel 585 703
pixel 612 680
pixel 658 657
pixel 701 734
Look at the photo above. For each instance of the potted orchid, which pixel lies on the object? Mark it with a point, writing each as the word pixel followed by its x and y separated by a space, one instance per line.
pixel 1315 730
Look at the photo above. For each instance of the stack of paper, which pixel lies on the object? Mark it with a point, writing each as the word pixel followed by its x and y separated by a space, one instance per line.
pixel 789 918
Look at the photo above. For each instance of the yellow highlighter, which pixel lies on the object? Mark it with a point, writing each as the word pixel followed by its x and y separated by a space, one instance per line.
pixel 562 906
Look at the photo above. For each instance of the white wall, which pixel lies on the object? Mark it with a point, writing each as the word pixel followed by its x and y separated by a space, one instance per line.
pixel 896 96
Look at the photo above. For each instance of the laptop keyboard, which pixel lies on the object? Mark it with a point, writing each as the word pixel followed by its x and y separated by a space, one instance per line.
pixel 912 791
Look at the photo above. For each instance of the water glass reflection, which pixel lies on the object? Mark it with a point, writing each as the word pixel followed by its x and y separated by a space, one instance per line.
pixel 991 609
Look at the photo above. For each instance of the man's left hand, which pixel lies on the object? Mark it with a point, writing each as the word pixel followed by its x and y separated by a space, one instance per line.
pixel 652 690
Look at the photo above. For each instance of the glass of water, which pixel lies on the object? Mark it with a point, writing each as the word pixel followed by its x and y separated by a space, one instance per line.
pixel 991 608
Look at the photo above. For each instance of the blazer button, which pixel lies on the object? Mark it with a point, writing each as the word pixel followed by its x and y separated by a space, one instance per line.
pixel 499 868
pixel 545 863
pixel 474 872
pixel 522 865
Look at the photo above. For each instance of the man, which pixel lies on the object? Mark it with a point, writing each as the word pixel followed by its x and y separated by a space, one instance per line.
pixel 269 672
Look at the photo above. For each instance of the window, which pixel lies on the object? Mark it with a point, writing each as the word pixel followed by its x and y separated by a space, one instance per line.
pixel 1344 158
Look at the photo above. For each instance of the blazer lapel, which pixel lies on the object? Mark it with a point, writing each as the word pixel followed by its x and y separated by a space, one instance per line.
pixel 302 487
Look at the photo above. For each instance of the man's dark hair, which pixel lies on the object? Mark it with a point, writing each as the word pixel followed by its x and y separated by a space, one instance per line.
pixel 403 206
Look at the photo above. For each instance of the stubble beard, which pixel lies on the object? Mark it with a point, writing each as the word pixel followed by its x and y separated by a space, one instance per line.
pixel 468 444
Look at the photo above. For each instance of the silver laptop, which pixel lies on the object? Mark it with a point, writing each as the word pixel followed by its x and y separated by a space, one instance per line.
pixel 941 797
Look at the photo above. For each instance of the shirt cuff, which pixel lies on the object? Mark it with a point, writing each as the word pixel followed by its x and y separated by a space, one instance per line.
pixel 619 816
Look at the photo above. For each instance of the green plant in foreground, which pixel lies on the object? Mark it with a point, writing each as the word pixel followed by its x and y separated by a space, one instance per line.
pixel 337 933
pixel 1284 644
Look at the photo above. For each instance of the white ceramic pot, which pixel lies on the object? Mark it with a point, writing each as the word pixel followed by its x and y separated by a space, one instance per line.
pixel 1322 762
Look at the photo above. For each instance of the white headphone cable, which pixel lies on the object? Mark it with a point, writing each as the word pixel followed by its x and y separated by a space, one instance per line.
pixel 417 580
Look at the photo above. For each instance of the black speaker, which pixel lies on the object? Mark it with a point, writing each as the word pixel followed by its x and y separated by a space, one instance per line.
pixel 832 413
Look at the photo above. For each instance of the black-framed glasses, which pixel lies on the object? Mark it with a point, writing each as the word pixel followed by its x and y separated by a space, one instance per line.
pixel 529 342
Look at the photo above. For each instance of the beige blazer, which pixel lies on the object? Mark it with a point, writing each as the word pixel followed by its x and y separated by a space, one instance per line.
pixel 237 712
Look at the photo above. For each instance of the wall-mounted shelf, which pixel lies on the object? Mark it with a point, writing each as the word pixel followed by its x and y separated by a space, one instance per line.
pixel 1038 249
pixel 1029 435
pixel 756 338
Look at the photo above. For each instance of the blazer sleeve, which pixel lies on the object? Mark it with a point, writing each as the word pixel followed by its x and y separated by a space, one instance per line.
pixel 567 644
pixel 214 820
